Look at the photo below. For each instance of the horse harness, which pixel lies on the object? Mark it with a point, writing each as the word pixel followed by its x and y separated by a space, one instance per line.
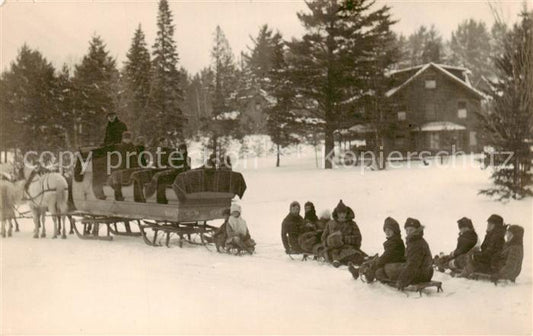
pixel 43 189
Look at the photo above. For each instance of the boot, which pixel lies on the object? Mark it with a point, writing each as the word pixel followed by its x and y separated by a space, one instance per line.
pixel 354 271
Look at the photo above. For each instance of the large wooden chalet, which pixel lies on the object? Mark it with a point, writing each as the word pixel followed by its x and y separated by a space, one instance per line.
pixel 435 108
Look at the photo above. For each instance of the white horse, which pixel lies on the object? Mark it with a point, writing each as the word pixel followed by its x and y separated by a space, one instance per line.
pixel 10 196
pixel 46 192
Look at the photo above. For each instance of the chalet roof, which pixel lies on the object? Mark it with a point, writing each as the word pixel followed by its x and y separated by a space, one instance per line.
pixel 416 67
pixel 440 68
pixel 441 126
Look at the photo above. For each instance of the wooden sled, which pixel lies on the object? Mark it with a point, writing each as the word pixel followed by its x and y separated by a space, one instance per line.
pixel 487 277
pixel 419 287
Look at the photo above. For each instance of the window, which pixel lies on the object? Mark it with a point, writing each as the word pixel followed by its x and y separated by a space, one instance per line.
pixel 431 83
pixel 402 115
pixel 430 111
pixel 399 142
pixel 473 139
pixel 461 110
pixel 434 140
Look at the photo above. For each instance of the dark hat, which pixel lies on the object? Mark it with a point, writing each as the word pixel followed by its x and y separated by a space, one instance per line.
pixel 465 222
pixel 309 203
pixel 496 220
pixel 341 208
pixel 411 222
pixel 294 203
pixel 391 223
pixel 516 230
pixel 518 233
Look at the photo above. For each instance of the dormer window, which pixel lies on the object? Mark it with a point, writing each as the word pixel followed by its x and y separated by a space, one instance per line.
pixel 402 115
pixel 431 83
pixel 461 110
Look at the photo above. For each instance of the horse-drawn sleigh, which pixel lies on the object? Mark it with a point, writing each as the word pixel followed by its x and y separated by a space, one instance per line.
pixel 194 198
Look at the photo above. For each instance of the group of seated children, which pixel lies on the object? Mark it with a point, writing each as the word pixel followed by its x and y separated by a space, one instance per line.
pixel 233 235
pixel 338 241
pixel 499 256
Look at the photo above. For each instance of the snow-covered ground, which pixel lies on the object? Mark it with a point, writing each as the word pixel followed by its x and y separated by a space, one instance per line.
pixel 96 287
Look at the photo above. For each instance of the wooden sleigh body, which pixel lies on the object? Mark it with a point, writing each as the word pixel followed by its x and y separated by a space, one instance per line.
pixel 185 214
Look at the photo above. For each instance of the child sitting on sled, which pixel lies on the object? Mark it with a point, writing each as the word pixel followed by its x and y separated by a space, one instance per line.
pixel 456 260
pixel 506 264
pixel 393 252
pixel 238 235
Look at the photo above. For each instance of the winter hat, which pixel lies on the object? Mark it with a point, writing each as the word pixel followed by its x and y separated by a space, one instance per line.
pixel 341 208
pixel 235 207
pixel 411 222
pixel 518 233
pixel 294 203
pixel 496 220
pixel 391 223
pixel 310 215
pixel 465 223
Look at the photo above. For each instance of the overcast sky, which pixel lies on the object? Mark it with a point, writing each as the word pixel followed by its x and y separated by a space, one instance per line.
pixel 62 29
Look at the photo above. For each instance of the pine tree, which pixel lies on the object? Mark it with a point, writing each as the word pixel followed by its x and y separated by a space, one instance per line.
pixel 166 94
pixel 330 61
pixel 384 54
pixel 509 122
pixel 261 53
pixel 136 77
pixel 94 83
pixel 470 47
pixel 281 116
pixel 423 46
pixel 65 105
pixel 224 120
pixel 29 114
pixel 254 80
pixel 498 33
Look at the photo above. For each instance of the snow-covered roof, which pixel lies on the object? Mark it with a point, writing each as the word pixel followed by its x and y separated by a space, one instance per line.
pixel 442 69
pixel 361 129
pixel 444 66
pixel 441 126
pixel 357 129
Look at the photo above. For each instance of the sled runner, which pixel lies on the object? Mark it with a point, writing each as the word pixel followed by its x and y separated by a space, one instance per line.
pixel 485 277
pixel 419 287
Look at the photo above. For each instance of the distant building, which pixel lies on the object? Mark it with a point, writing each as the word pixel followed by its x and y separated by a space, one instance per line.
pixel 435 108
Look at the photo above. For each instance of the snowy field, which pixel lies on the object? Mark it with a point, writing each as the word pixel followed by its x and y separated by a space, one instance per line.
pixel 123 287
